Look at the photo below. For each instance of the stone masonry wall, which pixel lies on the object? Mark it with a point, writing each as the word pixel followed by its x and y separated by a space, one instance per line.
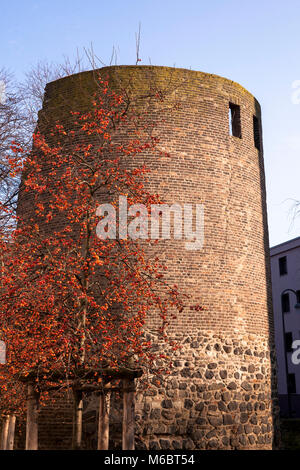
pixel 218 396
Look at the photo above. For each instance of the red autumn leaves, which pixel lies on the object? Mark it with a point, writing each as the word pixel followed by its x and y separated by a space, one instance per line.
pixel 69 300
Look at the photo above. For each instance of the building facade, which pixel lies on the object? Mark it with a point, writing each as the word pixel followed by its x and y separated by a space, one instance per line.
pixel 285 269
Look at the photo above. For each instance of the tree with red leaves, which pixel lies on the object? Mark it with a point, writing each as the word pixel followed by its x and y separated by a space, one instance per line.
pixel 73 305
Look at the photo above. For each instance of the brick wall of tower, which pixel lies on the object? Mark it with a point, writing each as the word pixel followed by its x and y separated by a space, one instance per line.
pixel 222 389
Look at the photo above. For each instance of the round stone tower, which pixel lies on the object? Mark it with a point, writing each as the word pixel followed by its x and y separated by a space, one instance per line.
pixel 221 393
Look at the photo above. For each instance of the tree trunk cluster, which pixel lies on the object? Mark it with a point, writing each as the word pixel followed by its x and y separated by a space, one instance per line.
pixel 128 427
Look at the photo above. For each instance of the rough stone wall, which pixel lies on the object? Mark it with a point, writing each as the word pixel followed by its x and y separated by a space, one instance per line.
pixel 222 390
pixel 217 396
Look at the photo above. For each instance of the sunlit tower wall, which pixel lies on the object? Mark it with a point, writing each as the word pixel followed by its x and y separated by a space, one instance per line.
pixel 221 393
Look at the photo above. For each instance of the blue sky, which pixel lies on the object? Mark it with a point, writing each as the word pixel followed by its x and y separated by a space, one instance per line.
pixel 256 43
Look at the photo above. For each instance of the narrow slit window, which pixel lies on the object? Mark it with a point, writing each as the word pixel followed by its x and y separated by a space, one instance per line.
pixel 291 384
pixel 282 265
pixel 289 341
pixel 235 120
pixel 285 303
pixel 256 132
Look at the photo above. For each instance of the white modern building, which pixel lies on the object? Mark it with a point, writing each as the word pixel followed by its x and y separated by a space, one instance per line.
pixel 285 271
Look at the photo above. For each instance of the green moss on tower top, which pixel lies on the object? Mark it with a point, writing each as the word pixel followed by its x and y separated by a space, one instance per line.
pixel 76 90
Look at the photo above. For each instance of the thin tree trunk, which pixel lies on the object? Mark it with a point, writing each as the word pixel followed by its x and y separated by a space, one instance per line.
pixel 4 433
pixel 32 418
pixel 77 420
pixel 11 432
pixel 128 415
pixel 103 422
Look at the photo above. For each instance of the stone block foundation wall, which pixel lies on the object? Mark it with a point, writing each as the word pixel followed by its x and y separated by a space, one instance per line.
pixel 218 396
